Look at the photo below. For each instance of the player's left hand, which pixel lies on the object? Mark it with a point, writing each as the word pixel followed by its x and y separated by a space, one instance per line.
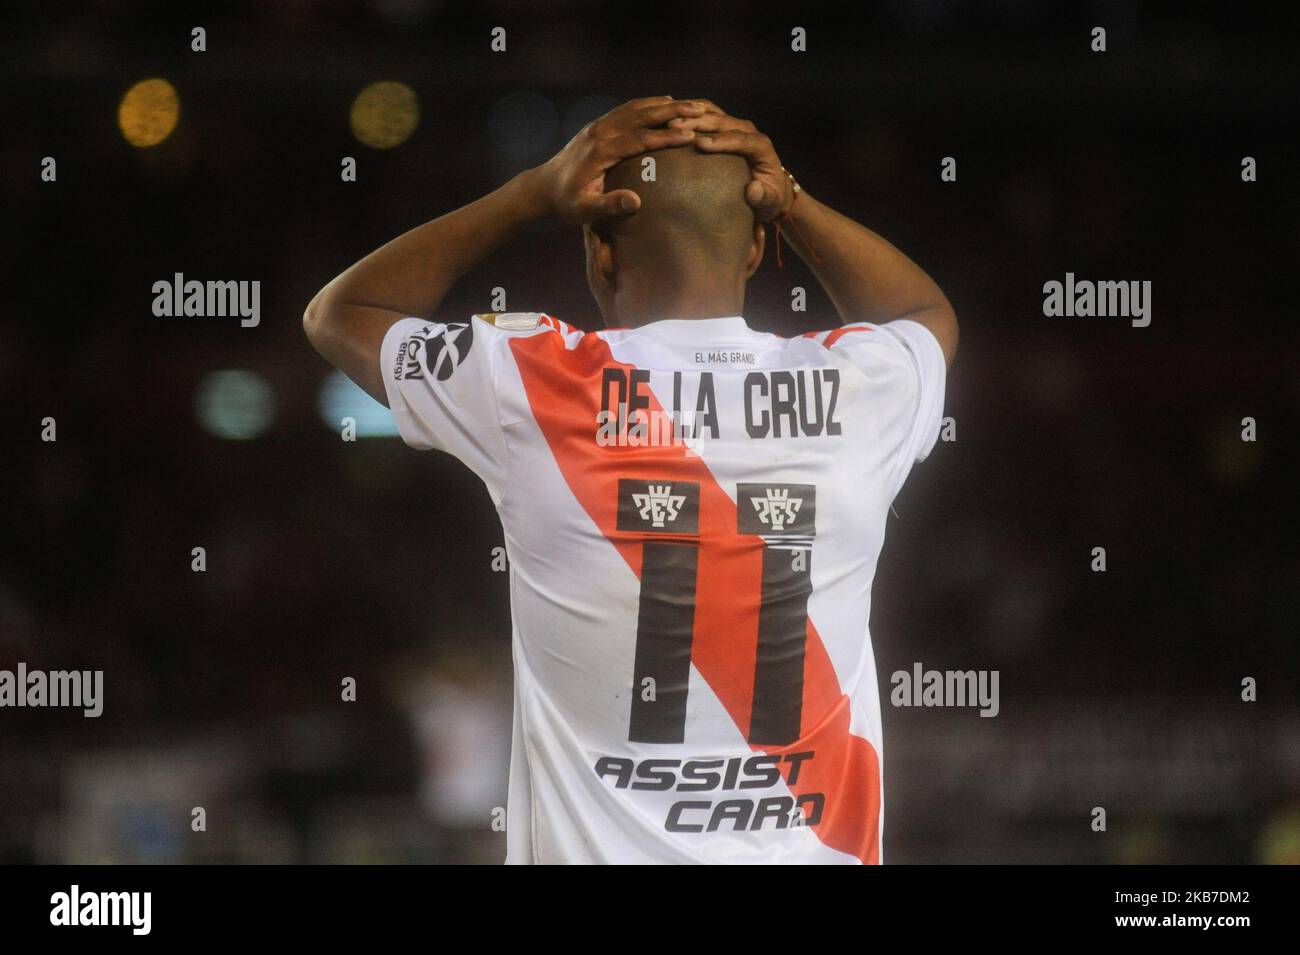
pixel 572 181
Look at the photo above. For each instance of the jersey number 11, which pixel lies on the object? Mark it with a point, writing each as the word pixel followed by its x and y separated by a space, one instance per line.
pixel 665 513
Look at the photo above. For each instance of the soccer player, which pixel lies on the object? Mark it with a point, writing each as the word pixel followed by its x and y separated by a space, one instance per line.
pixel 692 507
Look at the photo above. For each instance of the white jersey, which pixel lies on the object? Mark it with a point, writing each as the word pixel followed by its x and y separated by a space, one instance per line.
pixel 692 513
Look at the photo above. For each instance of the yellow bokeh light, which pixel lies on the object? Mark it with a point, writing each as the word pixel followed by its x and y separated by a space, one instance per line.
pixel 149 112
pixel 385 114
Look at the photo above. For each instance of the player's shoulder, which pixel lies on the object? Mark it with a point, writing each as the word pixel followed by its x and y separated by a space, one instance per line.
pixel 476 339
pixel 881 351
pixel 526 322
pixel 899 338
pixel 532 331
pixel 854 343
pixel 841 335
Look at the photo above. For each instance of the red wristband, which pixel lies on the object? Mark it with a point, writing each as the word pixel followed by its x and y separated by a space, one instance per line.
pixel 789 214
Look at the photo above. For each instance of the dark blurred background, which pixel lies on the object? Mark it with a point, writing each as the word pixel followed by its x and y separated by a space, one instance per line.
pixel 329 559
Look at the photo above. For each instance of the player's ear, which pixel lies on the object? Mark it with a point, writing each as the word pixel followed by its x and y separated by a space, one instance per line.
pixel 756 245
pixel 600 258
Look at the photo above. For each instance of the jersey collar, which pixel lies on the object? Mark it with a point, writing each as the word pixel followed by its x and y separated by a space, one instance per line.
pixel 691 329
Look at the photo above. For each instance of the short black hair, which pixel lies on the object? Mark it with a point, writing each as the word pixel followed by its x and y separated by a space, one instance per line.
pixel 694 208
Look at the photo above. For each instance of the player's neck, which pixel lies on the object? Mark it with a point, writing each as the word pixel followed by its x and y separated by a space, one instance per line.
pixel 659 304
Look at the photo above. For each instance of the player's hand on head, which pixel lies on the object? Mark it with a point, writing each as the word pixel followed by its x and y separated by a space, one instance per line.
pixel 770 192
pixel 573 180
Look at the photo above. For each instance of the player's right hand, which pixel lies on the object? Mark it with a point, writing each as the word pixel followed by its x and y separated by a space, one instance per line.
pixel 573 180
pixel 770 192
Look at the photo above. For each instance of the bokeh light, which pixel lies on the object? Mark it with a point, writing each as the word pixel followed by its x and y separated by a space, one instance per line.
pixel 340 398
pixel 149 112
pixel 385 114
pixel 234 404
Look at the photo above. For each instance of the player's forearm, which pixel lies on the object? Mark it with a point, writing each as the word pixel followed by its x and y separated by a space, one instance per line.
pixel 411 274
pixel 866 277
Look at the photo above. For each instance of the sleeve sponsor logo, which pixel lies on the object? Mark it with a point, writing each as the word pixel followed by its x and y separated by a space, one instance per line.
pixel 436 350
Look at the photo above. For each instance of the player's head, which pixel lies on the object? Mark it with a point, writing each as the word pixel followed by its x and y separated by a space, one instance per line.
pixel 691 245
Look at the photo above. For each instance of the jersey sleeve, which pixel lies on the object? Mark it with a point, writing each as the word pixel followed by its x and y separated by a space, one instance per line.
pixel 441 383
pixel 906 358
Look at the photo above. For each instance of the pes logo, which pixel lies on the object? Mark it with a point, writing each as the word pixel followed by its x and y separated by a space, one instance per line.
pixel 668 506
pixel 659 505
pixel 785 509
pixel 437 349
pixel 777 508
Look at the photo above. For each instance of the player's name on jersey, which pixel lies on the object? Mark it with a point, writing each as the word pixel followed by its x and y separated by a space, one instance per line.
pixel 211 299
pixel 776 404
